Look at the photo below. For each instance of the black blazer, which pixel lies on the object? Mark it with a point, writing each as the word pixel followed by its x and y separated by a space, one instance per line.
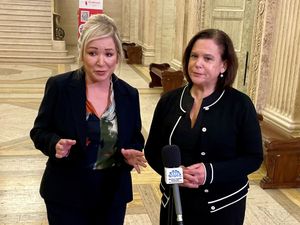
pixel 62 114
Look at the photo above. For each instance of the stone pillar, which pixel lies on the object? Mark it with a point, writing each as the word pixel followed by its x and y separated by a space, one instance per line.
pixel 191 20
pixel 179 30
pixel 125 21
pixel 147 22
pixel 188 22
pixel 134 20
pixel 158 31
pixel 283 102
pixel 165 32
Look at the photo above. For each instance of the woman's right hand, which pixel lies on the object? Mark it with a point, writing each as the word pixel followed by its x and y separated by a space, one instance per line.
pixel 194 175
pixel 63 147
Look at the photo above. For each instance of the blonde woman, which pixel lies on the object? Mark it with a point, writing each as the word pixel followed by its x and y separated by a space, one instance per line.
pixel 89 126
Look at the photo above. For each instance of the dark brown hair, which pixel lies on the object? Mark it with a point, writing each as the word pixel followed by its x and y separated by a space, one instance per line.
pixel 227 54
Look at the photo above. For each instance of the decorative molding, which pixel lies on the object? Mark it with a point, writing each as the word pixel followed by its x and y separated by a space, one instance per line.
pixel 200 14
pixel 279 120
pixel 256 49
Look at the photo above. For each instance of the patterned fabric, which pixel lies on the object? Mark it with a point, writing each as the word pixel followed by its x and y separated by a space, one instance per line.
pixel 101 136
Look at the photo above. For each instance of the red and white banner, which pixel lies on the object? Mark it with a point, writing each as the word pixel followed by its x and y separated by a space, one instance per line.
pixel 86 9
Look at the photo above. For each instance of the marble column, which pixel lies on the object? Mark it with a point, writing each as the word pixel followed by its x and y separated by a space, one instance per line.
pixel 147 23
pixel 125 35
pixel 179 30
pixel 134 20
pixel 165 32
pixel 188 22
pixel 283 102
pixel 129 21
pixel 191 20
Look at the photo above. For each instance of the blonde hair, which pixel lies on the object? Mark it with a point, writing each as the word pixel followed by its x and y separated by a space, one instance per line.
pixel 99 26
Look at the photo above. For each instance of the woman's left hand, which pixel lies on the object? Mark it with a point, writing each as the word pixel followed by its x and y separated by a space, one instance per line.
pixel 194 175
pixel 134 158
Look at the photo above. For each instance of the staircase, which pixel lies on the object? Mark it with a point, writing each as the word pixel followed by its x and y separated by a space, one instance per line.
pixel 26 33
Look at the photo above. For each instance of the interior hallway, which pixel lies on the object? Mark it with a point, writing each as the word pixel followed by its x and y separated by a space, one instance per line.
pixel 21 166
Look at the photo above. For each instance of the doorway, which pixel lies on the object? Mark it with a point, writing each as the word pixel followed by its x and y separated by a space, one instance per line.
pixel 236 18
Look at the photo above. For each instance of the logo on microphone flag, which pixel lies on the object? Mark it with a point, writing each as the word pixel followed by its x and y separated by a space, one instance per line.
pixel 174 175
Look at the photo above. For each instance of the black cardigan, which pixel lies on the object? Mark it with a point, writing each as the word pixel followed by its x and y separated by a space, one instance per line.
pixel 228 140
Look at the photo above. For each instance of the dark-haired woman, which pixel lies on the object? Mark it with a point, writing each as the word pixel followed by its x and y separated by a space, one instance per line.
pixel 216 128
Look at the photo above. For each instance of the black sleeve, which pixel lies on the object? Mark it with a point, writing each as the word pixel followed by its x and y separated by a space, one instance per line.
pixel 137 140
pixel 42 133
pixel 154 142
pixel 249 146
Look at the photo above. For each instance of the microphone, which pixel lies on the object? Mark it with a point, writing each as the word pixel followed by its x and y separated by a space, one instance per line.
pixel 173 175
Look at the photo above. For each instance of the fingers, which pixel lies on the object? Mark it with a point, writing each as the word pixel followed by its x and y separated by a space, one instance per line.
pixel 195 166
pixel 70 142
pixel 190 178
pixel 189 185
pixel 61 153
pixel 134 158
pixel 190 181
pixel 137 168
pixel 67 142
pixel 143 164
pixel 63 147
pixel 194 175
pixel 131 153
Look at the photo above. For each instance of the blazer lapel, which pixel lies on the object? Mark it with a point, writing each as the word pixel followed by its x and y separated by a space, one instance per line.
pixel 121 104
pixel 77 97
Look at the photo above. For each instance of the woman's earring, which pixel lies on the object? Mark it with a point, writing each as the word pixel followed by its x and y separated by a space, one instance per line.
pixel 221 75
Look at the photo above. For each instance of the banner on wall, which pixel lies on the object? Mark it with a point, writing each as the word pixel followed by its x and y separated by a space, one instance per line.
pixel 86 9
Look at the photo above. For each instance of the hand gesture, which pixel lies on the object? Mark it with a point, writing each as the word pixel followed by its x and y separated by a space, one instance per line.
pixel 63 147
pixel 134 158
pixel 194 175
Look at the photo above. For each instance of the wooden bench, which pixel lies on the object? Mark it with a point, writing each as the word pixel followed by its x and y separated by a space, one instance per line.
pixel 133 53
pixel 281 157
pixel 162 75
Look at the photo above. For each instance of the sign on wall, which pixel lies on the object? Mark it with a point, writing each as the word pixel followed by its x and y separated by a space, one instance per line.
pixel 86 9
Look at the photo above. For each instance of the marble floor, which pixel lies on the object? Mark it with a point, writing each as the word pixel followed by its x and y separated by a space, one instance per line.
pixel 21 166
